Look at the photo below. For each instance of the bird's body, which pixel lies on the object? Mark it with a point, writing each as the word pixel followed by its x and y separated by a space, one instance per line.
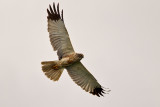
pixel 65 61
pixel 68 58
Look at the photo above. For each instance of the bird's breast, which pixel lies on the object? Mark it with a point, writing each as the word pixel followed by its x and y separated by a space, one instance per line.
pixel 69 60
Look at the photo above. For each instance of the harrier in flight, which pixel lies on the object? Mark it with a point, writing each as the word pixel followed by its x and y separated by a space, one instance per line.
pixel 68 58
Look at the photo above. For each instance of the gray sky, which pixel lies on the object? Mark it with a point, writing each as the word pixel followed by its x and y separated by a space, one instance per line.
pixel 120 40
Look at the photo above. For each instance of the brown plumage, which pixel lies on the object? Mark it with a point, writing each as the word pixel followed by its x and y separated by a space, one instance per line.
pixel 68 59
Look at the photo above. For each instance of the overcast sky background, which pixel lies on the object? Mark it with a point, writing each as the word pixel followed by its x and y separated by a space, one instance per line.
pixel 120 40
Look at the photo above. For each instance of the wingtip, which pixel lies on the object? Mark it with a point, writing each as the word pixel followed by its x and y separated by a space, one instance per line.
pixel 62 15
pixel 53 12
pixel 99 92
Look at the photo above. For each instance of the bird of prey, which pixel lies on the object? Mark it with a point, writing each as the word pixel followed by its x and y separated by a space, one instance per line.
pixel 68 58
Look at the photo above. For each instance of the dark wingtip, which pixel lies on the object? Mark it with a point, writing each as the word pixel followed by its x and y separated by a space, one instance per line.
pixel 62 15
pixel 54 13
pixel 98 91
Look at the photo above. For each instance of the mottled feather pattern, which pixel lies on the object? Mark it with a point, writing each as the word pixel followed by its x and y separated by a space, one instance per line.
pixel 61 43
pixel 82 77
pixel 52 74
pixel 58 34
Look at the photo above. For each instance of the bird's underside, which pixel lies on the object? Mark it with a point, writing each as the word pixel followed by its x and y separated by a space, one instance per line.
pixel 68 59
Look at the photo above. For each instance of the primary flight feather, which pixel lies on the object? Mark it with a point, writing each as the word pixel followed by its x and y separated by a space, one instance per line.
pixel 68 58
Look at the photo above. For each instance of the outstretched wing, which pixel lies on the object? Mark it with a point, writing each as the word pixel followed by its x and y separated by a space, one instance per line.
pixel 85 79
pixel 58 34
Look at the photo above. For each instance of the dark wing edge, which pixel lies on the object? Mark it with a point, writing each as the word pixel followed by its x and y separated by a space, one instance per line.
pixel 98 91
pixel 54 13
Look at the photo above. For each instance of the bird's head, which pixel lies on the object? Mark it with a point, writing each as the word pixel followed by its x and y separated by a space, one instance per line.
pixel 79 56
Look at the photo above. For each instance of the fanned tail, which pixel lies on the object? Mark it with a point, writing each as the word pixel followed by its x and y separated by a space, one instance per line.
pixel 52 70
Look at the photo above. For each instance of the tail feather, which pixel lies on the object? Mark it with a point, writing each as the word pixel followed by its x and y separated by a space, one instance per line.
pixel 51 73
pixel 48 62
